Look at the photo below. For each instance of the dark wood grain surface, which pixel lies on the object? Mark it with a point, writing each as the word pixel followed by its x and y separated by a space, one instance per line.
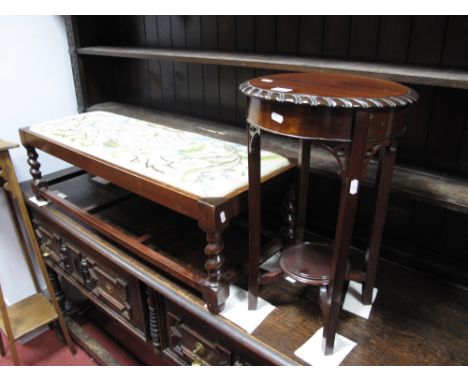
pixel 405 327
pixel 337 85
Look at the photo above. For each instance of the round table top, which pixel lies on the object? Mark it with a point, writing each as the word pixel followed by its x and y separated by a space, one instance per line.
pixel 331 89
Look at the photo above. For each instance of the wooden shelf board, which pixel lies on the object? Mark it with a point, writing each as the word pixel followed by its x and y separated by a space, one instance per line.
pixel 438 189
pixel 396 72
pixel 442 190
pixel 4 145
pixel 29 314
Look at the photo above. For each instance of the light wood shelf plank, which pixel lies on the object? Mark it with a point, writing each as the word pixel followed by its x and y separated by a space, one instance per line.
pixel 29 314
pixel 4 145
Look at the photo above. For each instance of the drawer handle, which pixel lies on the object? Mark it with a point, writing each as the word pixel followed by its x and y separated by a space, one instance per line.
pixel 87 278
pixel 65 254
pixel 45 252
pixel 198 351
pixel 44 243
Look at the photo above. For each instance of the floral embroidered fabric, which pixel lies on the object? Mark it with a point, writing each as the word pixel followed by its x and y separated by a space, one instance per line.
pixel 194 163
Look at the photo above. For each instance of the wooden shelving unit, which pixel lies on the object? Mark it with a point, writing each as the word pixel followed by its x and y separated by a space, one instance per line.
pixel 31 313
pixel 404 73
pixel 28 315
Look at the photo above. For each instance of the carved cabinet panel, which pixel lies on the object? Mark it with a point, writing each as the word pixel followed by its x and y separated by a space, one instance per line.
pixel 58 250
pixel 191 343
pixel 109 284
pixel 173 334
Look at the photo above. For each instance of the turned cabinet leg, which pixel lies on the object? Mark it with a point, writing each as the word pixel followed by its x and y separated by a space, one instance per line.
pixel 154 330
pixel 58 291
pixel 60 298
pixel 35 172
pixel 344 228
pixel 216 288
pixel 341 249
pixel 289 215
pixel 382 192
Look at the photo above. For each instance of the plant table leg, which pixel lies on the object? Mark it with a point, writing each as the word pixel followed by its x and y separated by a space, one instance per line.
pixel 382 192
pixel 344 228
pixel 302 190
pixel 255 209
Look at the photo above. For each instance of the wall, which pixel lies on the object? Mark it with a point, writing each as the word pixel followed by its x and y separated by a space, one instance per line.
pixel 36 85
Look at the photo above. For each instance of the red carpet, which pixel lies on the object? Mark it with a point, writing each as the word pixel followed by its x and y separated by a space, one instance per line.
pixel 111 346
pixel 46 350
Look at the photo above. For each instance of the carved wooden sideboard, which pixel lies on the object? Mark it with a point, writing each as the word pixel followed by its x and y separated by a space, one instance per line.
pixel 165 317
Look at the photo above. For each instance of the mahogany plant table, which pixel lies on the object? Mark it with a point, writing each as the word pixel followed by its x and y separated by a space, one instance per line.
pixel 353 117
pixel 91 142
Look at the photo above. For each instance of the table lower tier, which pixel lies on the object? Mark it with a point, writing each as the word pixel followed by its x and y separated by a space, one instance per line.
pixel 310 263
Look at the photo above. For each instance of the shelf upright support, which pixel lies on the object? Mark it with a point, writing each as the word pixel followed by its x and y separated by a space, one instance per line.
pixel 37 311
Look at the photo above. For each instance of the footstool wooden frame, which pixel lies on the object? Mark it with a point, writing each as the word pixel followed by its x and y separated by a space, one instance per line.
pixel 212 214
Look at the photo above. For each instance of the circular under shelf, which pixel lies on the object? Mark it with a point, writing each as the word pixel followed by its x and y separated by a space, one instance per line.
pixel 308 263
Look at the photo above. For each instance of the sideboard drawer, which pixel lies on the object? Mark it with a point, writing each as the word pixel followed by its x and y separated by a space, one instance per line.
pixel 110 285
pixel 187 343
pixel 64 254
pixel 190 342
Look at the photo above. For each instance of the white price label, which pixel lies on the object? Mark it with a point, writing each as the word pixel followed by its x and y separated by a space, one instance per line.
pixel 280 89
pixel 40 203
pixel 353 188
pixel 277 117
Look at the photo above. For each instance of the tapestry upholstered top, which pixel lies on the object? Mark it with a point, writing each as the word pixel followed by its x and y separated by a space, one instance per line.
pixel 194 163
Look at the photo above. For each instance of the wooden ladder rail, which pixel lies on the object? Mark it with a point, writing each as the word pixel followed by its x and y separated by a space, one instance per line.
pixel 11 186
